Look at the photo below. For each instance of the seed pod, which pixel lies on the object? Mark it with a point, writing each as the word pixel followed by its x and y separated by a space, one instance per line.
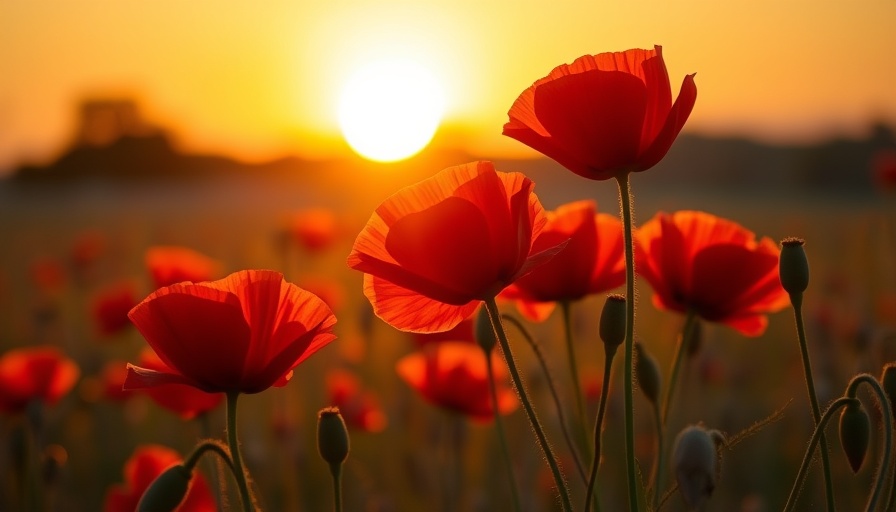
pixel 855 434
pixel 648 374
pixel 794 266
pixel 612 321
pixel 695 462
pixel 167 491
pixel 483 331
pixel 332 436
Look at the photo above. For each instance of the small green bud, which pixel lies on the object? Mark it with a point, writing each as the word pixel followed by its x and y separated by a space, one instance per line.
pixel 695 462
pixel 332 436
pixel 855 434
pixel 648 373
pixel 483 330
pixel 888 382
pixel 166 492
pixel 794 267
pixel 612 320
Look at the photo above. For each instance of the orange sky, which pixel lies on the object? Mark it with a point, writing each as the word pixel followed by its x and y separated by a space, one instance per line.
pixel 260 79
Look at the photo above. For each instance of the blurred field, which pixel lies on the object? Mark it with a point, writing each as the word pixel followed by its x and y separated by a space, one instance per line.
pixel 242 222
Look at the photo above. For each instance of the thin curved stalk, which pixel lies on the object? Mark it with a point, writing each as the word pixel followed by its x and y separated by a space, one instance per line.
pixel 566 309
pixel 502 436
pixel 610 353
pixel 884 403
pixel 495 317
pixel 232 440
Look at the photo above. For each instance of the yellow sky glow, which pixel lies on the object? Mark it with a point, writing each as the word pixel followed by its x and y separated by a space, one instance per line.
pixel 262 80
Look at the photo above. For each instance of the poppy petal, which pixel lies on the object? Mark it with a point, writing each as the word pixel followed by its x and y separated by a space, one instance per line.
pixel 675 120
pixel 409 311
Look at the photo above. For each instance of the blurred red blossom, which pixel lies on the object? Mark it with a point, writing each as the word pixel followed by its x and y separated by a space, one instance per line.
pixel 34 373
pixel 48 274
pixel 141 469
pixel 360 408
pixel 111 306
pixel 453 375
pixel 315 229
pixel 87 248
pixel 184 401
pixel 883 167
pixel 328 290
pixel 244 333
pixel 591 263
pixel 434 250
pixel 712 266
pixel 604 115
pixel 172 264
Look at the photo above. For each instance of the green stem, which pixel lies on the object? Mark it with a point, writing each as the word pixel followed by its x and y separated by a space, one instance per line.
pixel 681 350
pixel 884 403
pixel 566 308
pixel 817 435
pixel 336 472
pixel 797 300
pixel 208 445
pixel 502 436
pixel 495 317
pixel 556 397
pixel 609 354
pixel 625 201
pixel 238 472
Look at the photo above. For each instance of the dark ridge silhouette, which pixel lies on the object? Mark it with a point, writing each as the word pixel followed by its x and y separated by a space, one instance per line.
pixel 113 142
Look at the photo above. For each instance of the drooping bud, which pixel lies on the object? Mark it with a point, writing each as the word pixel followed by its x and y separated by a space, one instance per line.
pixel 483 331
pixel 166 492
pixel 794 267
pixel 888 382
pixel 332 436
pixel 612 321
pixel 694 462
pixel 647 372
pixel 855 434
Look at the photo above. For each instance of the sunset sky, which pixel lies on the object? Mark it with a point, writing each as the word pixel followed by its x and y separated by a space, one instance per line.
pixel 262 79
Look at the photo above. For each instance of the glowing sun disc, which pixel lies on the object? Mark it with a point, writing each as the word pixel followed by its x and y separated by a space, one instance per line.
pixel 390 109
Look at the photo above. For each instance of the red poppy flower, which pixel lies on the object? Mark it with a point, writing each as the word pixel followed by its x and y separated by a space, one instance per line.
pixel 884 169
pixel 592 262
pixel 454 376
pixel 48 274
pixel 360 409
pixel 603 115
pixel 434 250
pixel 244 333
pixel 147 463
pixel 87 248
pixel 111 307
pixel 713 266
pixel 171 264
pixel 185 401
pixel 34 373
pixel 315 229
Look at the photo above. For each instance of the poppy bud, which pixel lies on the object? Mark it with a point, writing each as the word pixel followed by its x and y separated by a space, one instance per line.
pixel 694 462
pixel 166 492
pixel 648 374
pixel 888 382
pixel 855 433
pixel 332 436
pixel 612 321
pixel 794 267
pixel 483 331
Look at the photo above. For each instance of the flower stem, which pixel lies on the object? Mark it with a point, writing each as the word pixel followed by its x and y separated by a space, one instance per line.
pixel 609 354
pixel 557 403
pixel 566 308
pixel 796 300
pixel 336 472
pixel 502 436
pixel 817 435
pixel 625 201
pixel 209 445
pixel 238 472
pixel 887 415
pixel 495 317
pixel 681 350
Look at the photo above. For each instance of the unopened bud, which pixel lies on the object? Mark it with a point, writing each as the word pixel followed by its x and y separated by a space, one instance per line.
pixel 483 330
pixel 888 382
pixel 855 434
pixel 166 492
pixel 694 462
pixel 332 436
pixel 794 267
pixel 648 374
pixel 612 321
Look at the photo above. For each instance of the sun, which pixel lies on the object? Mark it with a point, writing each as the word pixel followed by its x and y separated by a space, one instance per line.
pixel 390 109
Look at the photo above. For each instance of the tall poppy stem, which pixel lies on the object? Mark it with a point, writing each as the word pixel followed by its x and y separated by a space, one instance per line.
pixel 233 442
pixel 502 436
pixel 625 201
pixel 495 317
pixel 796 300
pixel 591 493
pixel 566 308
pixel 681 350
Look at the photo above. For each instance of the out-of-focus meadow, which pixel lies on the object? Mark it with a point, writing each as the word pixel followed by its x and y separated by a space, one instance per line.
pixel 67 244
